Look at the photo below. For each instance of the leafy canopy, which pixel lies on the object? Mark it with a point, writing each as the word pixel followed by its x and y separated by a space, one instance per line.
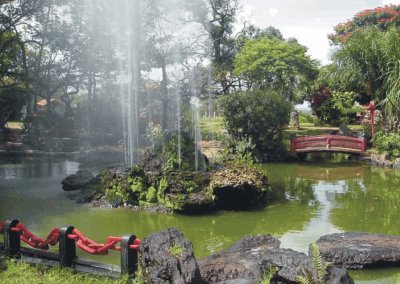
pixel 275 63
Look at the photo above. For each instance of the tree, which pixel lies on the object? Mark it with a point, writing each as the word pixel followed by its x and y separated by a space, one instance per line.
pixel 381 17
pixel 274 63
pixel 220 28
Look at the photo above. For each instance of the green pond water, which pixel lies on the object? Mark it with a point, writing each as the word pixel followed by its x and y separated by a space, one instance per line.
pixel 315 199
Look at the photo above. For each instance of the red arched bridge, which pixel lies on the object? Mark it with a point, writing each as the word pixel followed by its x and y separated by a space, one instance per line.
pixel 329 143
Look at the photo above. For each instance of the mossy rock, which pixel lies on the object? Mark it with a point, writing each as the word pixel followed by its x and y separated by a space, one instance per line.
pixel 187 182
pixel 193 203
pixel 124 185
pixel 239 187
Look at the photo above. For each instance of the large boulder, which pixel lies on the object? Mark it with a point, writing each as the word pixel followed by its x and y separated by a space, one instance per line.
pixel 167 257
pixel 239 187
pixel 360 250
pixel 77 181
pixel 252 258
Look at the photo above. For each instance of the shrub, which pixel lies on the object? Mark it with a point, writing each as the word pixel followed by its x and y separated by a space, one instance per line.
pixel 334 108
pixel 389 143
pixel 259 116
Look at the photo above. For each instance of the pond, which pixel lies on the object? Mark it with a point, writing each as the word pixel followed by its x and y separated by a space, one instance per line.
pixel 316 199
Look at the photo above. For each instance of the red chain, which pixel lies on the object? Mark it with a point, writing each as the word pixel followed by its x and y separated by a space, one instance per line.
pixel 91 247
pixel 85 244
pixel 34 241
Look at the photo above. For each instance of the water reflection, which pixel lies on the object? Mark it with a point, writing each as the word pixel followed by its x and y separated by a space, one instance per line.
pixel 311 200
pixel 370 204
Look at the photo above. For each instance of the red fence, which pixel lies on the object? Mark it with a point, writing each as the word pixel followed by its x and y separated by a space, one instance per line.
pixel 69 239
pixel 328 143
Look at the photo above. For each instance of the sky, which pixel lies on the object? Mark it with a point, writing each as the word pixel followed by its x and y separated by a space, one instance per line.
pixel 309 21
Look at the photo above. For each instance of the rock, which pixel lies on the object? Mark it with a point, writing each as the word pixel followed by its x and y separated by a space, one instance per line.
pixel 239 187
pixel 388 164
pixel 167 257
pixel 152 163
pixel 77 181
pixel 396 163
pixel 196 203
pixel 379 159
pixel 83 196
pixel 240 262
pixel 360 250
pixel 251 258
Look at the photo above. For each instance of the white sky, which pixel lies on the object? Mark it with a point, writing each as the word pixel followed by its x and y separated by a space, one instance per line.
pixel 310 21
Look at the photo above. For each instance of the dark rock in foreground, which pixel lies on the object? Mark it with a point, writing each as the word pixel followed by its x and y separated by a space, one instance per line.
pixel 250 259
pixel 167 257
pixel 360 250
pixel 77 181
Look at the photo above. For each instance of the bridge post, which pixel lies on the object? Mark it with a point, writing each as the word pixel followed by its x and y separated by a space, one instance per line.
pixel 67 248
pixel 129 256
pixel 12 241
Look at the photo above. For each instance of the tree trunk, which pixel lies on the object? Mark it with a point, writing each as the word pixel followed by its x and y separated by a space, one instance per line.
pixel 164 93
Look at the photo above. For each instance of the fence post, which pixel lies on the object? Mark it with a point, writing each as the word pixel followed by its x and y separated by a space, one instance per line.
pixel 129 257
pixel 67 248
pixel 12 241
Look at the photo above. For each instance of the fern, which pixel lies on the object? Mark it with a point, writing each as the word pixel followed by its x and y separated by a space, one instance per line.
pixel 269 274
pixel 303 279
pixel 320 266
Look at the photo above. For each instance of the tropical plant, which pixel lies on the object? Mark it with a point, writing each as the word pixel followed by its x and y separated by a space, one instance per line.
pixel 373 57
pixel 320 268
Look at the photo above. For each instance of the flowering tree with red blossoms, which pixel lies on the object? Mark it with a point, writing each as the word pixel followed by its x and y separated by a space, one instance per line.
pixel 381 17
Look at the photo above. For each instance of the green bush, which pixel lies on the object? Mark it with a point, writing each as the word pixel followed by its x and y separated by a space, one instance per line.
pixel 335 107
pixel 259 116
pixel 389 143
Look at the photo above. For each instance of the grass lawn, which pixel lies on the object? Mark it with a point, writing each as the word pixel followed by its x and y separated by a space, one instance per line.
pixel 212 125
pixel 12 271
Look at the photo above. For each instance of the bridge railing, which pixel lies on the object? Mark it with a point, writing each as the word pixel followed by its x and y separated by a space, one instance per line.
pixel 68 239
pixel 328 143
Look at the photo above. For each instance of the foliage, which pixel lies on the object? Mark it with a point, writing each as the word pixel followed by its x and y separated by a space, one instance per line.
pixel 238 151
pixel 126 189
pixel 269 274
pixel 320 266
pixel 305 118
pixel 388 143
pixel 275 63
pixel 335 107
pixel 220 28
pixel 380 17
pixel 176 250
pixel 373 57
pixel 258 117
pixel 170 153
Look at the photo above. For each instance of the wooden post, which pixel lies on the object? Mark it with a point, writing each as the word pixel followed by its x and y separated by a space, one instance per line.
pixel 129 257
pixel 371 109
pixel 67 248
pixel 12 241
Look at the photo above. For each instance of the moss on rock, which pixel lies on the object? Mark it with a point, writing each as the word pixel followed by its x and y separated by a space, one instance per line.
pixel 239 186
